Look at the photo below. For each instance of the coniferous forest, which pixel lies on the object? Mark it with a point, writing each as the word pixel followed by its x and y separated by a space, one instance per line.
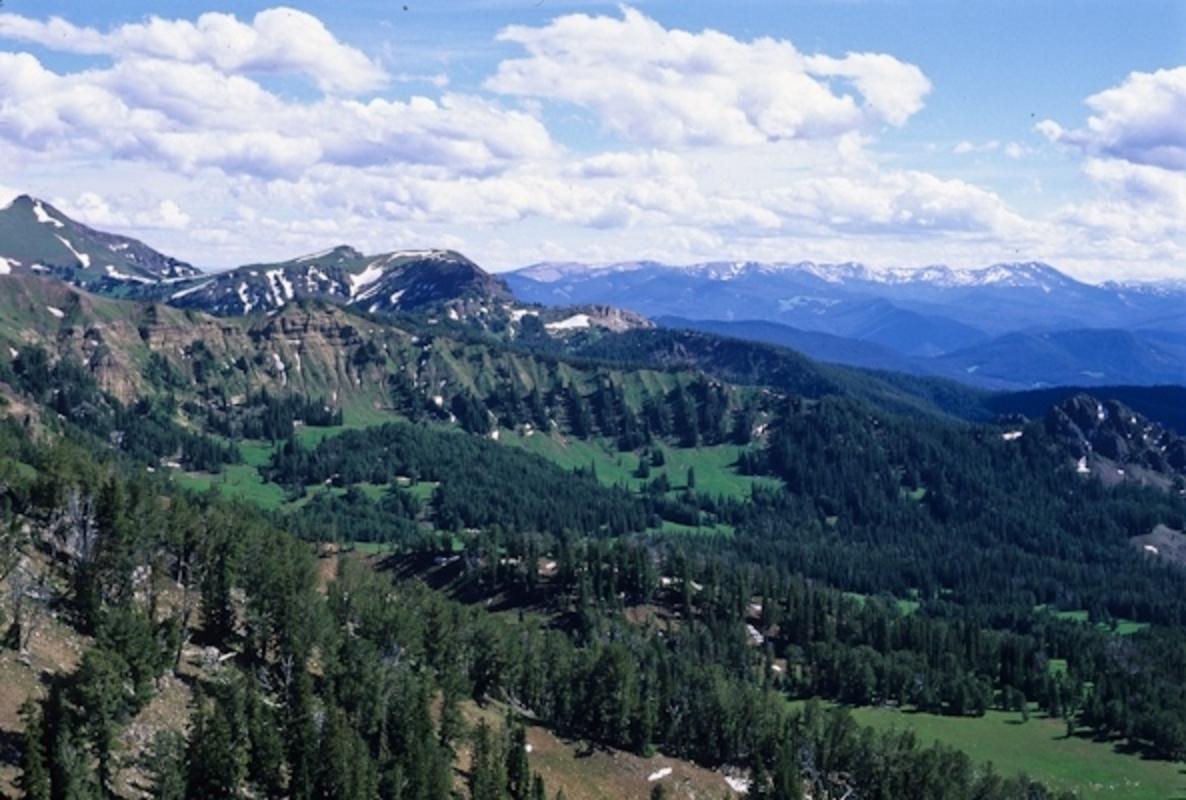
pixel 424 591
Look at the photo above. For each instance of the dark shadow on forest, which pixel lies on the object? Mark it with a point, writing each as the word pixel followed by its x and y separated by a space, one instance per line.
pixel 10 748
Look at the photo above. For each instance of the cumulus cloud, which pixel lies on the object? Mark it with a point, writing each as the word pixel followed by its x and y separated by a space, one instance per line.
pixel 93 209
pixel 1141 121
pixel 719 147
pixel 1135 201
pixel 668 87
pixel 893 90
pixel 277 41
pixel 906 203
pixel 1134 149
pixel 190 116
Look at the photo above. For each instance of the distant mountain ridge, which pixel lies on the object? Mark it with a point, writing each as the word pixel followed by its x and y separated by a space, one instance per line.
pixel 387 282
pixel 1008 326
pixel 1031 273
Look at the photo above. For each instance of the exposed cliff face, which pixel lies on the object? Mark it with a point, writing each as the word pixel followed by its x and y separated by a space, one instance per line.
pixel 309 349
pixel 1111 440
pixel 316 349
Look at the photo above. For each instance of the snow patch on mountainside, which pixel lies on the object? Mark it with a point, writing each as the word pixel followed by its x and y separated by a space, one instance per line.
pixel 123 276
pixel 44 217
pixel 280 287
pixel 190 290
pixel 372 273
pixel 83 258
pixel 244 298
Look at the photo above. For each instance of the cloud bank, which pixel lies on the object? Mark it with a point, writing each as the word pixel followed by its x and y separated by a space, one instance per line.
pixel 227 140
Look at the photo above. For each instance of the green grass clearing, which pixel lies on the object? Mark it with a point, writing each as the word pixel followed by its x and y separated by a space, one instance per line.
pixel 1121 627
pixel 714 466
pixel 240 481
pixel 906 606
pixel 1040 749
pixel 692 530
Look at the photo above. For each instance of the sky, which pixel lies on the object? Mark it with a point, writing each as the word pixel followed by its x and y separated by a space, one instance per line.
pixel 888 132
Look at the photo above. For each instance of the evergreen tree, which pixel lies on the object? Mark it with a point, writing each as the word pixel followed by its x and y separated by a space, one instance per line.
pixel 166 766
pixel 518 770
pixel 487 775
pixel 34 780
pixel 216 758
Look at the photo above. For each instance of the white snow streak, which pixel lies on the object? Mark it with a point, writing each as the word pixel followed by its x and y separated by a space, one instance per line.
pixel 83 258
pixel 44 217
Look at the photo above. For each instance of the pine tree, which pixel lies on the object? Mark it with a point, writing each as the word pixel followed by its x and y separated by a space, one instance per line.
pixel 72 779
pixel 518 769
pixel 487 776
pixel 216 759
pixel 166 766
pixel 34 779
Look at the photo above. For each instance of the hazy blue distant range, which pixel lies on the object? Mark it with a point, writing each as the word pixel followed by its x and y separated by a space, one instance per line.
pixel 1016 325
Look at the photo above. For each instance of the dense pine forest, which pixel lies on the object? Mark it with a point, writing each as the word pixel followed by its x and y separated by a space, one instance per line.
pixel 422 588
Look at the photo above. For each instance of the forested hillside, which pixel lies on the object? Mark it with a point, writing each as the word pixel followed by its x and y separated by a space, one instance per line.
pixel 336 556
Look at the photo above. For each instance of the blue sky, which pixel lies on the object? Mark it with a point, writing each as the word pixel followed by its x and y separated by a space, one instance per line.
pixel 893 133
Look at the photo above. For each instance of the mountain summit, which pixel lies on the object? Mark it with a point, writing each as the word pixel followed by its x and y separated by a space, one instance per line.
pixel 36 237
pixel 398 281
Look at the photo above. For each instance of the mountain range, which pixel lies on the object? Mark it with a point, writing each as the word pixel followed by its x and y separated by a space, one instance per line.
pixel 1015 326
pixel 1006 326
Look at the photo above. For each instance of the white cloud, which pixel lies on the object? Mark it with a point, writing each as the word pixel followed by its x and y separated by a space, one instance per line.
pixel 1141 121
pixel 734 149
pixel 624 165
pixel 95 210
pixel 670 87
pixel 1134 147
pixel 278 41
pixel 191 116
pixel 893 90
pixel 965 147
pixel 905 203
pixel 1135 201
